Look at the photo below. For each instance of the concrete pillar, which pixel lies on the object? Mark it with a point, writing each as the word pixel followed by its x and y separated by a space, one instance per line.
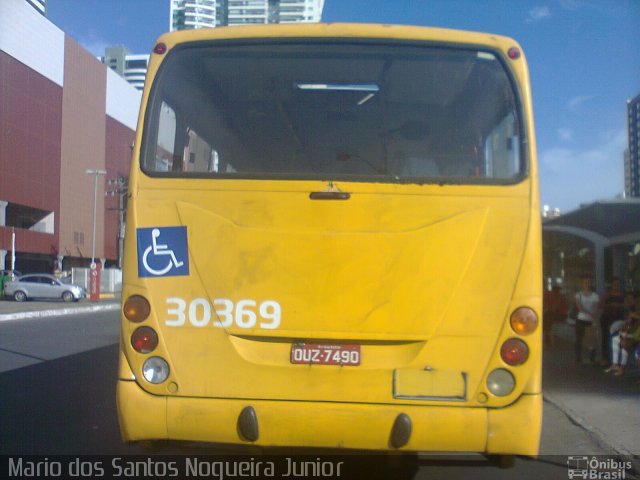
pixel 600 286
pixel 60 259
pixel 3 255
pixel 3 213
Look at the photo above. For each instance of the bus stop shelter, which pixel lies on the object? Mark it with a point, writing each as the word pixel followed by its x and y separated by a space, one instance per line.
pixel 601 239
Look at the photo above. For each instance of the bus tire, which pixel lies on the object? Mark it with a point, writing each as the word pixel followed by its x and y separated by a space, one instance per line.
pixel 150 446
pixel 503 461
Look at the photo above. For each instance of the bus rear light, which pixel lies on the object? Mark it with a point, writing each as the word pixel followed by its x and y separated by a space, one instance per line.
pixel 160 48
pixel 144 340
pixel 500 382
pixel 136 308
pixel 514 352
pixel 155 370
pixel 524 321
pixel 514 53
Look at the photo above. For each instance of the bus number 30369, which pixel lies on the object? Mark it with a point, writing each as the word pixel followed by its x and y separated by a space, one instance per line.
pixel 244 313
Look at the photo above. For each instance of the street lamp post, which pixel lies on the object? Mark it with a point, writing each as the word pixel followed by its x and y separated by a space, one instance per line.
pixel 119 187
pixel 95 174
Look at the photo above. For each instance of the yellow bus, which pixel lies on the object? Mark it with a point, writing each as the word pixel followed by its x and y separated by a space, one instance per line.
pixel 333 240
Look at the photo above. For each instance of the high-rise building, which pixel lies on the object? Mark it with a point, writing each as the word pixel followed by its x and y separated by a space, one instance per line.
pixel 187 14
pixel 632 154
pixel 627 174
pixel 191 14
pixel 114 58
pixel 293 11
pixel 39 5
pixel 135 71
pixel 132 67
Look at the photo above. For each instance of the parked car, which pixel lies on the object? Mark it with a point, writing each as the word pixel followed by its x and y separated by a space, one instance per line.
pixel 42 285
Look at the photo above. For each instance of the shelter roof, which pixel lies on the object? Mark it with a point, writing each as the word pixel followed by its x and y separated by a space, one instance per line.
pixel 613 218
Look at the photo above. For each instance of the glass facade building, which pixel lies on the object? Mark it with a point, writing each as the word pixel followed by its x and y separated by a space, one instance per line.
pixel 187 14
pixel 39 5
pixel 632 155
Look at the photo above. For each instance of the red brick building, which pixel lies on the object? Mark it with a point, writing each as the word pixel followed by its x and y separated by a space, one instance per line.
pixel 61 112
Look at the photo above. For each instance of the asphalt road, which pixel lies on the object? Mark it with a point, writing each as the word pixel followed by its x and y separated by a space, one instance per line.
pixel 30 341
pixel 65 405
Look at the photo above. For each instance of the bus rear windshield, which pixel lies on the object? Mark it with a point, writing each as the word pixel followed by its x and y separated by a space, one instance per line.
pixel 360 112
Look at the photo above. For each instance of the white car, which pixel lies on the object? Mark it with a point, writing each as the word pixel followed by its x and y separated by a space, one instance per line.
pixel 42 285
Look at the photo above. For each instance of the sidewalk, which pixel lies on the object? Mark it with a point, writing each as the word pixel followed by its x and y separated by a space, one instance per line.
pixel 11 310
pixel 603 404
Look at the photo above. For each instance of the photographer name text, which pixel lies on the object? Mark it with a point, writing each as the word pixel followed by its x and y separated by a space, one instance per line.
pixel 185 467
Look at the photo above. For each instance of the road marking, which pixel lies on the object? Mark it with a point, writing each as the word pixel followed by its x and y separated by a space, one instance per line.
pixel 58 312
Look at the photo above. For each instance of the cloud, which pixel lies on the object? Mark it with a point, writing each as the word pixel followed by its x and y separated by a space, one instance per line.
pixel 94 44
pixel 565 134
pixel 538 13
pixel 576 103
pixel 570 177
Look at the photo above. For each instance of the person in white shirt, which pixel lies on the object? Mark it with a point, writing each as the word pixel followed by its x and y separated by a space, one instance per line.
pixel 587 304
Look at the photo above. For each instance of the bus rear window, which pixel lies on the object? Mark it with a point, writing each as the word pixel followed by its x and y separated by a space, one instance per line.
pixel 361 112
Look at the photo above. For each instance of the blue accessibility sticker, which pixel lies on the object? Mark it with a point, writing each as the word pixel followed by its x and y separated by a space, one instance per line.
pixel 163 252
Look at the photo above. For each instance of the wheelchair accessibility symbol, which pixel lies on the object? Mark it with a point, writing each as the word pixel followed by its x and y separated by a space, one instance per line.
pixel 162 252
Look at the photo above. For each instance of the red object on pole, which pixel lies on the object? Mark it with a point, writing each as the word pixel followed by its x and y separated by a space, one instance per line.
pixel 94 281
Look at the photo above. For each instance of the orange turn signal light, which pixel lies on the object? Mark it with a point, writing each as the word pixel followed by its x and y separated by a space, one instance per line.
pixel 524 321
pixel 136 308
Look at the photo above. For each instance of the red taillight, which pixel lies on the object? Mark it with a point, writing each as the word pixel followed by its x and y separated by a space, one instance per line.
pixel 136 309
pixel 160 48
pixel 144 339
pixel 514 352
pixel 524 321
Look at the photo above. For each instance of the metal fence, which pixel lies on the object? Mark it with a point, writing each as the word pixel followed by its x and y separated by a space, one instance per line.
pixel 110 279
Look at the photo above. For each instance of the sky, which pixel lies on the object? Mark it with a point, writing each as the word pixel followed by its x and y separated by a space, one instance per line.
pixel 583 58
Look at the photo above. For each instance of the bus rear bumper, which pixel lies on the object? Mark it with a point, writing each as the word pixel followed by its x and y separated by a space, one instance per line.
pixel 511 430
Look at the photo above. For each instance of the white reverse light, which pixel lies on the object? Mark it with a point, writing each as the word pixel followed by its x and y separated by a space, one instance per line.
pixel 500 382
pixel 155 370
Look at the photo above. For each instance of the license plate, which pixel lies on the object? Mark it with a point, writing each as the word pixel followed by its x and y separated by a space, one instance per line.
pixel 325 354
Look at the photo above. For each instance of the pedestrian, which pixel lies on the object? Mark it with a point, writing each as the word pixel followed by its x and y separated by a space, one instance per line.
pixel 627 341
pixel 587 302
pixel 613 308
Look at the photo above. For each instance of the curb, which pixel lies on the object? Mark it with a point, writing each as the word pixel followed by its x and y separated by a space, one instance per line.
pixel 58 312
pixel 600 437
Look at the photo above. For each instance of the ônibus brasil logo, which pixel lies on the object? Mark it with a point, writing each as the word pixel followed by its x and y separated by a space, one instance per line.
pixel 597 468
